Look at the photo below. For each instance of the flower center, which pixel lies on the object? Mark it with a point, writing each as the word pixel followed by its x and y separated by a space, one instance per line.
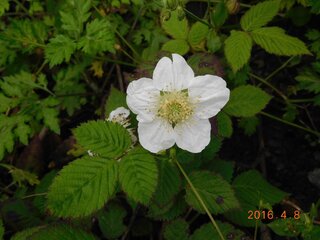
pixel 175 107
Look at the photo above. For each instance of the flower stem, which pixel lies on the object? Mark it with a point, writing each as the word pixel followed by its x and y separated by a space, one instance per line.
pixel 290 123
pixel 173 156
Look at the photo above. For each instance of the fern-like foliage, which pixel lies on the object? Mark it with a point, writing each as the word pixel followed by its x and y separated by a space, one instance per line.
pixel 82 187
pixel 107 139
pixel 138 175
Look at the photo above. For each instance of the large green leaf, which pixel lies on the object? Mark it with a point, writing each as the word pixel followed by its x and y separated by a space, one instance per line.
pixel 82 187
pixel 104 138
pixel 246 101
pixel 179 46
pixel 238 49
pixel 207 231
pixel 168 183
pixel 252 190
pixel 175 27
pixel 259 15
pixel 61 232
pixel 274 40
pixel 215 192
pixel 177 230
pixel 138 175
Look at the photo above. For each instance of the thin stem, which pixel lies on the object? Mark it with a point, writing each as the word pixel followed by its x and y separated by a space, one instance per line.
pixel 255 230
pixel 116 61
pixel 197 18
pixel 290 123
pixel 21 6
pixel 279 68
pixel 194 190
pixel 126 42
pixel 270 85
pixel 35 195
pixel 307 100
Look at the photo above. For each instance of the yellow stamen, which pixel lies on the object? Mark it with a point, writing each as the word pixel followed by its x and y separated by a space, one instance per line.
pixel 175 107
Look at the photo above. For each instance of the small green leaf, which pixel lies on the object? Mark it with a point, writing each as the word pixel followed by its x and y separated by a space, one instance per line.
pixel 82 187
pixel 138 175
pixel 105 138
pixel 219 14
pixel 197 35
pixel 116 99
pixel 59 49
pixel 168 183
pixel 275 41
pixel 246 101
pixel 98 38
pixel 61 232
pixel 179 46
pixel 224 125
pixel 238 49
pixel 259 15
pixel 178 29
pixel 215 192
pixel 249 125
pixel 23 131
pixel 111 221
pixel 177 230
pixel 51 120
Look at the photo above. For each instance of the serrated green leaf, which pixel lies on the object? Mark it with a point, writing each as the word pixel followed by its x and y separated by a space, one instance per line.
pixel 259 15
pixel 215 192
pixel 26 233
pixel 224 125
pixel 238 49
pixel 50 119
pixel 275 41
pixel 251 190
pixel 68 84
pixel 73 16
pixel 207 231
pixel 168 212
pixel 7 137
pixel 168 182
pixel 104 138
pixel 178 29
pixel 19 176
pixel 179 46
pixel 219 14
pixel 111 221
pixel 82 187
pixel 59 49
pixel 177 230
pixel 246 101
pixel 98 38
pixel 61 232
pixel 25 35
pixel 116 99
pixel 23 131
pixel 210 151
pixel 285 227
pixel 4 6
pixel 138 175
pixel 197 35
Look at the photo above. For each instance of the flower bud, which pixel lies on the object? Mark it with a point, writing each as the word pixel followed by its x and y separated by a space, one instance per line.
pixel 181 13
pixel 165 15
pixel 233 6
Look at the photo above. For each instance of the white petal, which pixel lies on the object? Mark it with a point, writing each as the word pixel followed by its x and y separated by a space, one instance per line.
pixel 210 94
pixel 193 135
pixel 142 98
pixel 156 135
pixel 172 75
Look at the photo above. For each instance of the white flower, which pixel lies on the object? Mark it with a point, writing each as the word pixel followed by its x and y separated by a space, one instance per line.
pixel 121 116
pixel 175 106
